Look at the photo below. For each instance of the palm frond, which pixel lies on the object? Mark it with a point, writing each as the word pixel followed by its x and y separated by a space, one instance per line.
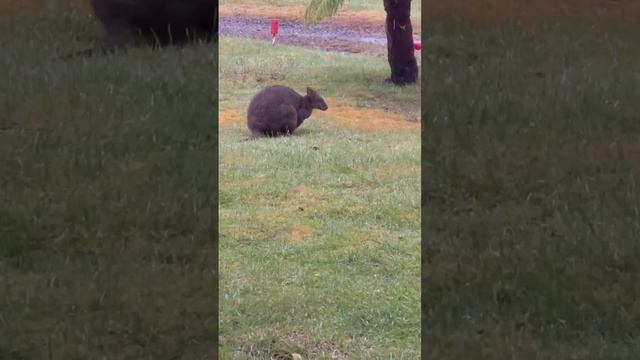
pixel 320 9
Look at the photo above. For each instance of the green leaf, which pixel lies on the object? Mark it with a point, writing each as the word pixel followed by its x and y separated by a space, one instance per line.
pixel 320 9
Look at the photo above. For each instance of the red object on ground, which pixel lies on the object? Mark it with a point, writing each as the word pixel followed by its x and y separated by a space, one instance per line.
pixel 417 45
pixel 274 27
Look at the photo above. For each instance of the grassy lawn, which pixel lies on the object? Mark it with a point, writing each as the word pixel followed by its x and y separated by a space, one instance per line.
pixel 319 232
pixel 107 184
pixel 531 206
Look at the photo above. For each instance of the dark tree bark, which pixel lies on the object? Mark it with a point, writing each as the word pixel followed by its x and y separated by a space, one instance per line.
pixel 404 69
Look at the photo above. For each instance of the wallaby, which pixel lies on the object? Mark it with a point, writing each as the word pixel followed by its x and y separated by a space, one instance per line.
pixel 160 21
pixel 279 110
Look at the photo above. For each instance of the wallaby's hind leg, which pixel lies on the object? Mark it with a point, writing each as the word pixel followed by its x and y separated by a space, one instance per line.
pixel 281 120
pixel 288 119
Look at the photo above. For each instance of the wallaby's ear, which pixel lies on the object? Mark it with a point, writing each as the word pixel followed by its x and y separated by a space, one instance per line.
pixel 311 92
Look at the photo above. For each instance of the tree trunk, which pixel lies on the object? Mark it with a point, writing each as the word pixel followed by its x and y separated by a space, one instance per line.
pixel 404 69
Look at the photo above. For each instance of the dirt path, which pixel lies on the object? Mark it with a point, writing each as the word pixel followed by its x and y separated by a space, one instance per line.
pixel 355 118
pixel 354 31
pixel 325 36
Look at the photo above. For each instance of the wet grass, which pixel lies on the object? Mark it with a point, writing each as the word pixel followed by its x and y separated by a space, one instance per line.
pixel 531 207
pixel 106 174
pixel 319 232
pixel 355 80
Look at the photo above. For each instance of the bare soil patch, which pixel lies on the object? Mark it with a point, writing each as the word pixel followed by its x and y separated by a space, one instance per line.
pixel 360 31
pixel 357 118
pixel 323 36
pixel 368 119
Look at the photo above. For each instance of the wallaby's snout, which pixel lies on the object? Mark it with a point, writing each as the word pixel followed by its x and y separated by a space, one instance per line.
pixel 317 102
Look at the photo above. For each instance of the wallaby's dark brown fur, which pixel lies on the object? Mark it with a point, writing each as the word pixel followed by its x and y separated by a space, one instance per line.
pixel 160 21
pixel 279 110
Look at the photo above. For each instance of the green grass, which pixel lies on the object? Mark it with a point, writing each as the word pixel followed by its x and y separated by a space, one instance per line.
pixel 355 80
pixel 530 199
pixel 105 202
pixel 319 232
